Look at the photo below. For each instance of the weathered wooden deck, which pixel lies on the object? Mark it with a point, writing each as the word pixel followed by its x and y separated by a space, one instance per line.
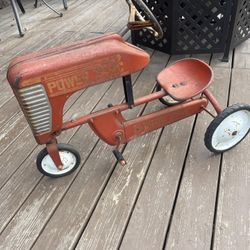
pixel 173 193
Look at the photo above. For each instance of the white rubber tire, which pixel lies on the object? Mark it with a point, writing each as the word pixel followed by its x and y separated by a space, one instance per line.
pixel 228 129
pixel 69 157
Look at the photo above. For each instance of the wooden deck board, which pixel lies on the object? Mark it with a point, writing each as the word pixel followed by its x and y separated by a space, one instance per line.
pixel 119 195
pixel 233 221
pixel 149 222
pixel 173 194
pixel 192 222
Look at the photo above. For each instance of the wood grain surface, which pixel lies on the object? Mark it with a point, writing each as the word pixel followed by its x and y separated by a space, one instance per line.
pixel 172 194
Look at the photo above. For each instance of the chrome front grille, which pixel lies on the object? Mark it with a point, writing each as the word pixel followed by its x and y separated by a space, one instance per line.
pixel 37 108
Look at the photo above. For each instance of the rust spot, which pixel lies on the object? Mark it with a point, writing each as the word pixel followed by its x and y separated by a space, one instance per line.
pixel 234 133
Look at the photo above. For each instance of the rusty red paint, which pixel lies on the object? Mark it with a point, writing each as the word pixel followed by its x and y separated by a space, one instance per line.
pixel 64 70
pixel 185 78
pixel 213 101
pixel 54 154
pixel 67 69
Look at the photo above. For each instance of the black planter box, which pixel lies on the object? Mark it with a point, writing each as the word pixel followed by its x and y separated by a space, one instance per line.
pixel 197 26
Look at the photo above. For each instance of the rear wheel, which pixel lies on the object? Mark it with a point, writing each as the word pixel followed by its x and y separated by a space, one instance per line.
pixel 166 100
pixel 69 157
pixel 228 129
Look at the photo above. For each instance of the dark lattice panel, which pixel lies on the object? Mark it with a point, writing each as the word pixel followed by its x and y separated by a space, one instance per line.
pixel 161 10
pixel 242 23
pixel 4 3
pixel 193 26
pixel 200 26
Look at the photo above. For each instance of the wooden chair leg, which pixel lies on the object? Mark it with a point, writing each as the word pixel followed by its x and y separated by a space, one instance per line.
pixel 20 6
pixel 50 7
pixel 65 4
pixel 18 21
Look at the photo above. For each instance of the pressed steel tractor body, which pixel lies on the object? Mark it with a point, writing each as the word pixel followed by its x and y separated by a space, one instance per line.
pixel 43 81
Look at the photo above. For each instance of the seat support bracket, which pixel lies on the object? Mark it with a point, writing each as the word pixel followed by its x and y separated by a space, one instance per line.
pixel 128 90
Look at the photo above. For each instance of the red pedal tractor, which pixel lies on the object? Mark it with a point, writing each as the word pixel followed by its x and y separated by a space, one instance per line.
pixel 44 80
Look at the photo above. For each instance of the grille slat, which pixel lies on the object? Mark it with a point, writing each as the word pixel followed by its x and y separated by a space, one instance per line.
pixel 28 94
pixel 40 126
pixel 41 131
pixel 37 120
pixel 39 117
pixel 35 97
pixel 34 102
pixel 34 106
pixel 30 89
pixel 37 108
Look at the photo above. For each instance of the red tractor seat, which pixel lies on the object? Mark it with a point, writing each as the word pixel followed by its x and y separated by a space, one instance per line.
pixel 185 78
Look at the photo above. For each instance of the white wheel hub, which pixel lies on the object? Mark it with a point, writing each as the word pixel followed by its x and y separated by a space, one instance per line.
pixel 231 130
pixel 68 160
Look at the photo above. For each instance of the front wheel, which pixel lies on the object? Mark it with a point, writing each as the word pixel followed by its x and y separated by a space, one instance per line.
pixel 228 129
pixel 69 157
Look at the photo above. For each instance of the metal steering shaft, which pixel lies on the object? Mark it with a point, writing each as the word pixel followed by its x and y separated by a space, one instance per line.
pixel 137 21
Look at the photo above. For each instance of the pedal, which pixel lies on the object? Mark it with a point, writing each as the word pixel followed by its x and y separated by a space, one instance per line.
pixel 119 157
